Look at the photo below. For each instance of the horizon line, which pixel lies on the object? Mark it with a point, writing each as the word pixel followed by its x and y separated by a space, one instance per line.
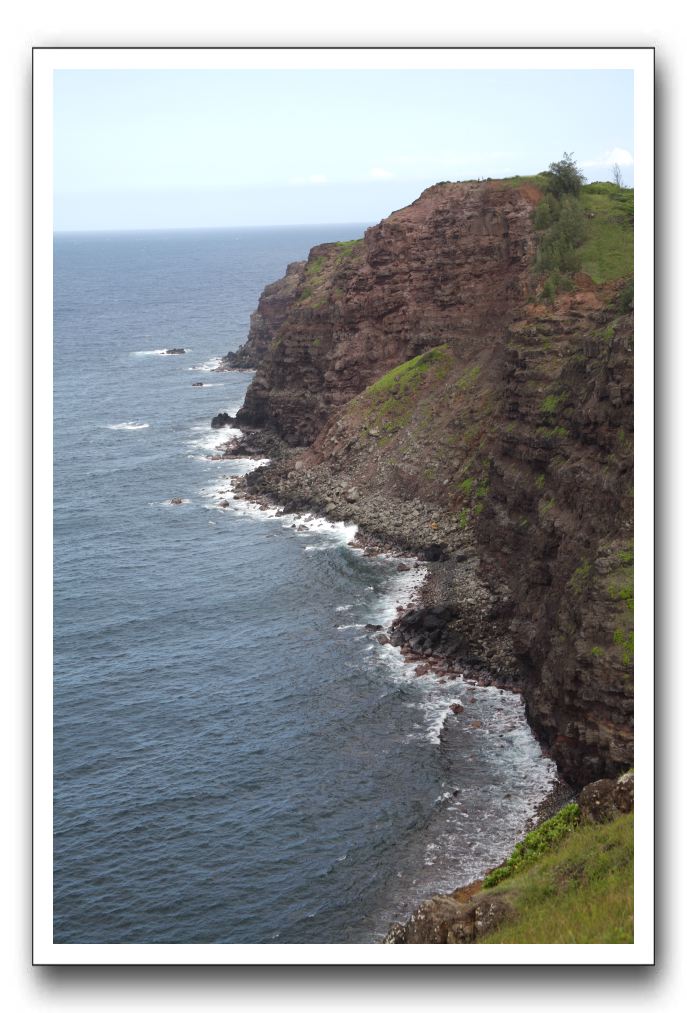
pixel 203 228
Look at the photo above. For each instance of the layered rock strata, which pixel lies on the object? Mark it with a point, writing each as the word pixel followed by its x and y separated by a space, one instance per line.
pixel 427 395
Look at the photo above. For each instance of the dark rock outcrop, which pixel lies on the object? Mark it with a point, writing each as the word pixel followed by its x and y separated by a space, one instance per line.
pixel 222 419
pixel 265 322
pixel 605 800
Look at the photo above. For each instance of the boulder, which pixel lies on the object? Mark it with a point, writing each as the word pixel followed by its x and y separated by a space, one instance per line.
pixel 175 351
pixel 603 801
pixel 444 919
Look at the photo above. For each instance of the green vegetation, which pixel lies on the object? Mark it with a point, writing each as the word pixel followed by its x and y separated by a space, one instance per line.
pixel 563 230
pixel 539 481
pixel 607 252
pixel 313 279
pixel 540 180
pixel 468 378
pixel 621 590
pixel 581 577
pixel 389 399
pixel 564 177
pixel 346 249
pixel 315 267
pixel 585 228
pixel 552 433
pixel 536 843
pixel 550 403
pixel 406 376
pixel 625 641
pixel 578 888
pixel 545 505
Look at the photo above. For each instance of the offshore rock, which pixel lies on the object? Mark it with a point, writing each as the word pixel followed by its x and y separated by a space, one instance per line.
pixel 222 419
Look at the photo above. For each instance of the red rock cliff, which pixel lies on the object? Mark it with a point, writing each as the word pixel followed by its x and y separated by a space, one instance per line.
pixel 445 409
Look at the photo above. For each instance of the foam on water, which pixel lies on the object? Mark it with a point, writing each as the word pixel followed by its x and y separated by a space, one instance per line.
pixel 209 366
pixel 129 425
pixel 209 442
pixel 160 351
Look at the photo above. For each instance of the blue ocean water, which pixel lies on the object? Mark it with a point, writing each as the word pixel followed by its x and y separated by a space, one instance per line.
pixel 236 758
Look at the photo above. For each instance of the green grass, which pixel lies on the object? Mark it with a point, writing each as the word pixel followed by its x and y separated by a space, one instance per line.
pixel 347 249
pixel 579 890
pixel 537 843
pixel 390 402
pixel 550 403
pixel 621 589
pixel 408 373
pixel 540 180
pixel 468 378
pixel 580 578
pixel 608 250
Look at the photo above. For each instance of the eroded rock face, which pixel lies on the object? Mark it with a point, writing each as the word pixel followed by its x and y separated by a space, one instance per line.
pixel 266 320
pixel 452 266
pixel 504 460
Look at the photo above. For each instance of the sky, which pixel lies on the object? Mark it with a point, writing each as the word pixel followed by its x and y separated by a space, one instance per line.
pixel 219 148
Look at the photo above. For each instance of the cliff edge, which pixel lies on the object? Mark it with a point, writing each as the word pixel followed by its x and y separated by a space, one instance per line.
pixel 435 384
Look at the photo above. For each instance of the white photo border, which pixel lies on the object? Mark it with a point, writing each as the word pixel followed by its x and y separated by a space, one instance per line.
pixel 638 60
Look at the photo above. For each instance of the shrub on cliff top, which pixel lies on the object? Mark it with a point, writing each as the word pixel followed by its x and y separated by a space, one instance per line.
pixel 565 177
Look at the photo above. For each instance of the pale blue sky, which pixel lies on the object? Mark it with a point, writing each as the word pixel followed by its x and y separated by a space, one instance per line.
pixel 176 149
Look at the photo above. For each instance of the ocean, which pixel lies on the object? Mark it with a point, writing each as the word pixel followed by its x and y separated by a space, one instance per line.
pixel 236 757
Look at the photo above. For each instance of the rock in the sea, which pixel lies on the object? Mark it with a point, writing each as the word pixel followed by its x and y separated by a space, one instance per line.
pixel 222 419
pixel 197 384
pixel 223 503
pixel 175 351
pixel 457 708
pixel 176 501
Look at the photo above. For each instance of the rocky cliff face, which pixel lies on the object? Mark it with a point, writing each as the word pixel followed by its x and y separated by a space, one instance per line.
pixel 442 407
pixel 265 322
pixel 451 267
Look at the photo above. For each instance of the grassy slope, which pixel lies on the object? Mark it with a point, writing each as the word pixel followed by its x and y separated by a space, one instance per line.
pixel 608 251
pixel 581 891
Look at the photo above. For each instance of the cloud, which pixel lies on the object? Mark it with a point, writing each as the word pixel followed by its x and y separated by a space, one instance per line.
pixel 616 156
pixel 377 172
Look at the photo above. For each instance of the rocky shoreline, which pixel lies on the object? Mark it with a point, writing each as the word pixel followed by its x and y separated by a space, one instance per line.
pixel 424 631
pixel 424 384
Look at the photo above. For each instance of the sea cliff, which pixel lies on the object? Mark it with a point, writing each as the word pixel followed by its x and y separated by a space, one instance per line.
pixel 433 384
